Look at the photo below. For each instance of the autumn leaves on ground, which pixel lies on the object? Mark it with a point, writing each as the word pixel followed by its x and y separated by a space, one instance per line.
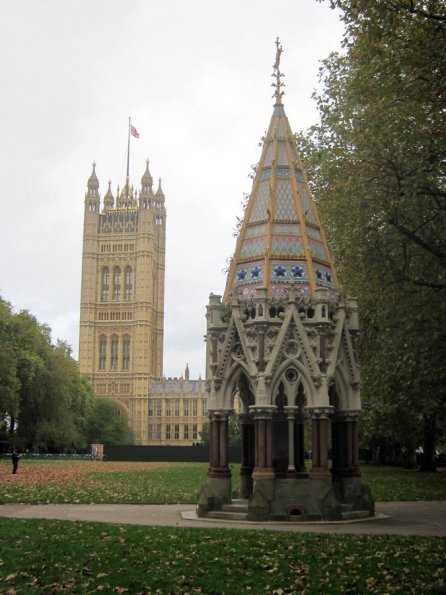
pixel 68 481
pixel 76 557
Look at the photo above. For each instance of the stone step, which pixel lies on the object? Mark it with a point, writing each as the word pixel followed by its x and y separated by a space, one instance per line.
pixel 236 506
pixel 351 515
pixel 345 507
pixel 227 515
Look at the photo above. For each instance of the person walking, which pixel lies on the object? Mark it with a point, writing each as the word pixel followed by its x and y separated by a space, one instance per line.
pixel 15 461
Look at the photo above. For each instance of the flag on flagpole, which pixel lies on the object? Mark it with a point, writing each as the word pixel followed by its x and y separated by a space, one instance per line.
pixel 134 132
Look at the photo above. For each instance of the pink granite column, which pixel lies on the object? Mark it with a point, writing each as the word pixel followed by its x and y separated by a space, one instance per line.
pixel 263 468
pixel 319 468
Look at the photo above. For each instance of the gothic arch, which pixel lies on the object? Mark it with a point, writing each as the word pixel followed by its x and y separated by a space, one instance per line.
pixel 230 387
pixel 303 379
pixel 347 397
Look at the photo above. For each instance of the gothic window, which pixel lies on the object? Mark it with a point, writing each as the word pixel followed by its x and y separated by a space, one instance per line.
pixel 194 408
pixel 116 283
pixel 158 432
pixel 177 432
pixel 168 410
pixel 186 432
pixel 168 432
pixel 177 407
pixel 151 409
pixel 150 432
pixel 114 352
pixel 194 432
pixel 185 407
pixel 128 283
pixel 159 407
pixel 102 352
pixel 105 284
pixel 126 353
pixel 204 407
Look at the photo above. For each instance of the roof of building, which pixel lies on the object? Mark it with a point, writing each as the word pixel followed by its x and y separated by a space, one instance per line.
pixel 280 240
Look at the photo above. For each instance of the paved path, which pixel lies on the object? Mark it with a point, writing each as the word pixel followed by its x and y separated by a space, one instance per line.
pixel 393 518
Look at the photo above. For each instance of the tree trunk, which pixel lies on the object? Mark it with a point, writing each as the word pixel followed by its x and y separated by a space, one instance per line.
pixel 428 456
pixel 410 459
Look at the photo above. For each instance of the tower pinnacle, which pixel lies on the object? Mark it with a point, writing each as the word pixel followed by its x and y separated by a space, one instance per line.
pixel 277 74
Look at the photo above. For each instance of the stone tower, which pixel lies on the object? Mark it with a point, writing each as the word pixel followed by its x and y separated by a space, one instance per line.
pixel 122 295
pixel 283 339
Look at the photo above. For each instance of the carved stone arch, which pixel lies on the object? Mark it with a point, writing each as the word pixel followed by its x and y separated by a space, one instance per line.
pixel 304 379
pixel 245 392
pixel 345 397
pixel 229 388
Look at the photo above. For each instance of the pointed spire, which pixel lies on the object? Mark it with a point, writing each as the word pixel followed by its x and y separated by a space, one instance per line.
pixel 159 194
pixel 93 181
pixel 109 199
pixel 147 182
pixel 186 373
pixel 281 243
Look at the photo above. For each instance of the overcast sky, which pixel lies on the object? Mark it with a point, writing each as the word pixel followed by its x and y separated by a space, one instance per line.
pixel 195 78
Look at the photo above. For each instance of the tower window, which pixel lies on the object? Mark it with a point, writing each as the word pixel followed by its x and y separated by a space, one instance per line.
pixel 114 352
pixel 128 283
pixel 126 353
pixel 159 407
pixel 102 352
pixel 116 283
pixel 105 284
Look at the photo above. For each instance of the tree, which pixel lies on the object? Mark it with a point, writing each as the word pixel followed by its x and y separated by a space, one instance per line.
pixel 106 424
pixel 378 163
pixel 9 381
pixel 44 401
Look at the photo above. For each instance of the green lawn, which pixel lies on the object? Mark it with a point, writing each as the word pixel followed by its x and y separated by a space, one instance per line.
pixel 64 557
pixel 395 483
pixel 171 483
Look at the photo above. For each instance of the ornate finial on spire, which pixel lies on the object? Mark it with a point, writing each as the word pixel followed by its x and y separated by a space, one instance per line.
pixel 277 74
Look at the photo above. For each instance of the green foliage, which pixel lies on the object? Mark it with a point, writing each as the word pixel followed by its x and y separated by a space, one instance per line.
pixel 44 401
pixel 377 164
pixel 54 556
pixel 106 424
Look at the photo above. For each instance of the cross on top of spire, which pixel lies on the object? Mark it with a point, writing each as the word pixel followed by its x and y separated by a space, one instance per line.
pixel 277 74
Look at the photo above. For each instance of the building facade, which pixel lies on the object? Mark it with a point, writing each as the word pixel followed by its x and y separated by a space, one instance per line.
pixel 177 410
pixel 122 295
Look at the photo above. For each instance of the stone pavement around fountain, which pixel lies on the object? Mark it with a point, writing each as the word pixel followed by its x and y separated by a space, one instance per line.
pixel 392 518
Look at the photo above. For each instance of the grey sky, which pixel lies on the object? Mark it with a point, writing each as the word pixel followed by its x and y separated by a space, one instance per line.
pixel 195 78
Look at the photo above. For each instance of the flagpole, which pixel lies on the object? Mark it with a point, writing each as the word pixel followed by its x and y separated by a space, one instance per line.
pixel 128 154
